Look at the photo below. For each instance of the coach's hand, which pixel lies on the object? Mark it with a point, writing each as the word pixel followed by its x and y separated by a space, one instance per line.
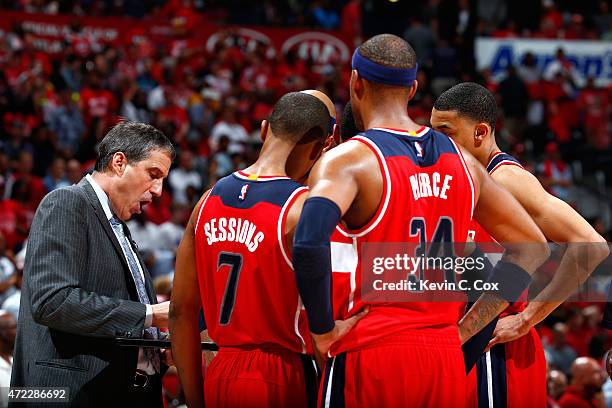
pixel 160 314
pixel 323 342
pixel 509 328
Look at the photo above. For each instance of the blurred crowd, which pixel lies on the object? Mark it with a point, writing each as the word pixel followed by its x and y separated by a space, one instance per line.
pixel 54 110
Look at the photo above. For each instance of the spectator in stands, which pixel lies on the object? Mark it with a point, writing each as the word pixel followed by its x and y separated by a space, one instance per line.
pixel 7 272
pixel 13 221
pixel 11 303
pixel 18 134
pixel 324 15
pixel 594 105
pixel 98 105
pixel 32 184
pixel 223 164
pixel 74 173
pixel 555 174
pixel 556 384
pixel 158 211
pixel 585 388
pixel 603 21
pixel 229 126
pixel 183 176
pixel 8 329
pixel 558 353
pixel 64 119
pixel 422 39
pixel 491 12
pixel 144 233
pixel 514 99
pixel 529 71
pixel 70 72
pixel 563 66
pixel 578 335
pixel 350 23
pixel 56 178
pixel 171 232
pixel 134 106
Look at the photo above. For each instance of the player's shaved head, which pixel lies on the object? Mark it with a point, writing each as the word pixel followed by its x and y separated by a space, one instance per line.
pixel 299 118
pixel 471 101
pixel 323 98
pixel 389 50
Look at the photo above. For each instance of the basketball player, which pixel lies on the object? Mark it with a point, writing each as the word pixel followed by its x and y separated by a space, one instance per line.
pixel 348 128
pixel 517 369
pixel 241 273
pixel 400 182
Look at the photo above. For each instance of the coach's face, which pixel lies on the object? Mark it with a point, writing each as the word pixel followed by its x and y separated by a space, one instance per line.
pixel 462 130
pixel 137 183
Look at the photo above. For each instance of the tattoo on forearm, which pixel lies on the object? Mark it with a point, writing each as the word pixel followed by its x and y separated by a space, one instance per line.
pixel 483 311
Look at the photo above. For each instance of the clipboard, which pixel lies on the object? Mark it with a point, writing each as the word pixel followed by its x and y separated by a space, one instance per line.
pixel 125 342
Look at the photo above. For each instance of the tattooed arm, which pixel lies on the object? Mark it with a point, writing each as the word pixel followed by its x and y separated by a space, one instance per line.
pixel 507 221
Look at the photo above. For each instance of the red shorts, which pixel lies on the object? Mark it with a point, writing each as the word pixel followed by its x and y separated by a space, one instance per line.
pixel 514 373
pixel 409 371
pixel 258 378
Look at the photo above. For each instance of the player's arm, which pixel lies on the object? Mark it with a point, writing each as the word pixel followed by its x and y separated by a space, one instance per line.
pixel 184 309
pixel 334 184
pixel 293 217
pixel 560 223
pixel 504 218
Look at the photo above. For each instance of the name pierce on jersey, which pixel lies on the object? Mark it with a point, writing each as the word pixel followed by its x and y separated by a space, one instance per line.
pixel 233 229
pixel 425 186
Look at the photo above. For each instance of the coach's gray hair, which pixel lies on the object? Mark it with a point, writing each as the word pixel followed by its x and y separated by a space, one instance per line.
pixel 134 139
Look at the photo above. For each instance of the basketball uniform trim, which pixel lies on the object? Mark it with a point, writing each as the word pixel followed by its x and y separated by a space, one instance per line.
pixel 200 211
pixel 282 221
pixel 422 131
pixel 386 194
pixel 333 382
pixel 253 177
pixel 491 377
pixel 286 255
pixel 469 176
pixel 505 162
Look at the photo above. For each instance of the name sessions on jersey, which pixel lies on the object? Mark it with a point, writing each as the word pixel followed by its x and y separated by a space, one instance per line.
pixel 424 186
pixel 233 229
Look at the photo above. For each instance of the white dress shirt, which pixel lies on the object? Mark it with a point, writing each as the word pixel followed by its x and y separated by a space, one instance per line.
pixel 143 363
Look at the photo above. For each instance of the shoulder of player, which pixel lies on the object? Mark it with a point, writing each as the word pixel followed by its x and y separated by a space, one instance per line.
pixel 509 176
pixel 349 156
pixel 476 169
pixel 196 211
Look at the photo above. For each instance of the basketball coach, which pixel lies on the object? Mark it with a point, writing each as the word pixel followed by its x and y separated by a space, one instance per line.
pixel 85 284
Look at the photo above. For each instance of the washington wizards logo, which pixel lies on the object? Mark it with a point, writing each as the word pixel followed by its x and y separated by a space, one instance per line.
pixel 243 192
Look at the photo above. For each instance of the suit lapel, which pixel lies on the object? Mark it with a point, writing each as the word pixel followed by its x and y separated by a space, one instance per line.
pixel 95 203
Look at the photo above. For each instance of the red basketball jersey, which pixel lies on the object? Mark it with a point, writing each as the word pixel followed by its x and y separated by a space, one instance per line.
pixel 428 196
pixel 246 279
pixel 481 236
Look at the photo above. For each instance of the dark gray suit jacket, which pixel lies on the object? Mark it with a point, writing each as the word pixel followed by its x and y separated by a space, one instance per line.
pixel 78 294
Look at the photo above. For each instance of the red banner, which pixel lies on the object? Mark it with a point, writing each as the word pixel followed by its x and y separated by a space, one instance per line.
pixel 50 33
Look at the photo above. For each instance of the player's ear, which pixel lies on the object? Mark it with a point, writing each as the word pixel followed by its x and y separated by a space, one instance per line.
pixel 335 136
pixel 330 142
pixel 264 130
pixel 413 89
pixel 356 83
pixel 481 131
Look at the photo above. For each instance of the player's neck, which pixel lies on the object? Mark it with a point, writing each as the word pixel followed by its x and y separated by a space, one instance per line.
pixel 272 160
pixel 389 115
pixel 487 154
